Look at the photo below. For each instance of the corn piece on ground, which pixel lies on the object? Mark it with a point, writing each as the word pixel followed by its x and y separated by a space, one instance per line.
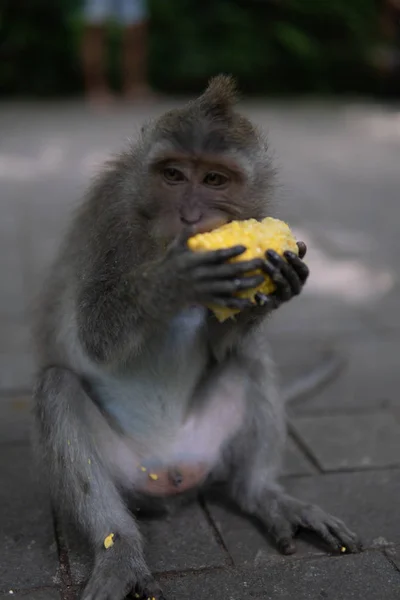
pixel 257 237
pixel 109 541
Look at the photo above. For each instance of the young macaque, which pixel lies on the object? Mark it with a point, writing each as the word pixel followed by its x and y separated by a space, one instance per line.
pixel 141 392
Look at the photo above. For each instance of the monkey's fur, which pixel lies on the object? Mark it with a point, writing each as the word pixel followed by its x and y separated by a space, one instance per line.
pixel 135 373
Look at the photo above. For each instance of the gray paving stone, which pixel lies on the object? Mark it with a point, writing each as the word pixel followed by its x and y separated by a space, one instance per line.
pixel 295 462
pixel 15 419
pixel 367 502
pixel 327 317
pixel 14 335
pixel 371 379
pixel 393 555
pixel 16 371
pixel 178 543
pixel 28 552
pixel 351 441
pixel 33 595
pixel 367 577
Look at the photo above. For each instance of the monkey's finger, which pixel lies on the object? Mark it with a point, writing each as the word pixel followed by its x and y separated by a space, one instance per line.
pixel 330 529
pixel 229 302
pixel 230 270
pixel 287 271
pixel 322 530
pixel 347 538
pixel 286 546
pixel 230 286
pixel 217 256
pixel 301 268
pixel 283 291
pixel 282 532
pixel 302 249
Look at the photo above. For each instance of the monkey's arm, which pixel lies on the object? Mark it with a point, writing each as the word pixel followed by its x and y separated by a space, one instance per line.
pixel 118 310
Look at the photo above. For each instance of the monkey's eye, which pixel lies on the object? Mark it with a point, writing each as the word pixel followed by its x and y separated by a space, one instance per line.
pixel 173 175
pixel 215 179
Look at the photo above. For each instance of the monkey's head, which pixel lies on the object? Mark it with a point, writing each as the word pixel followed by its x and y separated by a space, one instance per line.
pixel 205 165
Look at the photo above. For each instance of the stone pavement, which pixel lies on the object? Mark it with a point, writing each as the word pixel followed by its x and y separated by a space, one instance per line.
pixel 337 348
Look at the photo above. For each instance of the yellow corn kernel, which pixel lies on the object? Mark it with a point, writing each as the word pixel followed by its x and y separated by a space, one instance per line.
pixel 257 237
pixel 109 541
pixel 153 476
pixel 343 549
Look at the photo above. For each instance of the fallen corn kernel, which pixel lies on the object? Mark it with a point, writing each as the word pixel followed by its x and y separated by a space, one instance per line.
pixel 137 596
pixel 257 237
pixel 343 549
pixel 89 461
pixel 109 541
pixel 153 476
pixel 143 469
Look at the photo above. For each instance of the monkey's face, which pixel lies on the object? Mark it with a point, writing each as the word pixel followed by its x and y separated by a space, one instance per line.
pixel 202 193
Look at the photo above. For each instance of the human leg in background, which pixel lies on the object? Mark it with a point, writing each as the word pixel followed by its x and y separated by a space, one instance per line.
pixel 96 14
pixel 135 20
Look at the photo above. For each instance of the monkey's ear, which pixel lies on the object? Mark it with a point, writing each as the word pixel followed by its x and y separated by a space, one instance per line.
pixel 220 97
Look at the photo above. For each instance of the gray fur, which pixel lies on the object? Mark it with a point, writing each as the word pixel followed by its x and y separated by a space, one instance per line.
pixel 131 365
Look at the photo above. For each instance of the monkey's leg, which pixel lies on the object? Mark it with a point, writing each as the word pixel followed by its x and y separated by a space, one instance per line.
pixel 253 482
pixel 284 516
pixel 67 422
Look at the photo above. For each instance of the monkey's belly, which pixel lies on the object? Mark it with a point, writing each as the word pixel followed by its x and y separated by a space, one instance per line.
pixel 168 481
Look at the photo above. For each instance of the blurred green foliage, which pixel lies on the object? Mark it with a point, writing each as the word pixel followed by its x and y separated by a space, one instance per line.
pixel 273 46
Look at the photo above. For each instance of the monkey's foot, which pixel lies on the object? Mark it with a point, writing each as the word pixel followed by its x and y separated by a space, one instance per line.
pixel 286 515
pixel 149 590
pixel 118 574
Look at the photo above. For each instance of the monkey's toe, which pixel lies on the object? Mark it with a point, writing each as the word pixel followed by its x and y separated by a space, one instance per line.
pixel 329 528
pixel 148 590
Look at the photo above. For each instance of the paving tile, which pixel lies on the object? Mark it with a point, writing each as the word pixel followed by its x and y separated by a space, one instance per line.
pixel 182 541
pixel 368 577
pixel 49 594
pixel 371 379
pixel 327 317
pixel 12 297
pixel 14 335
pixel 367 502
pixel 15 419
pixel 28 552
pixel 393 555
pixel 185 541
pixel 351 441
pixel 16 371
pixel 295 462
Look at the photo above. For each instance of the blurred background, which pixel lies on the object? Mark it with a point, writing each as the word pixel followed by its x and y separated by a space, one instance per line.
pixel 272 46
pixel 77 77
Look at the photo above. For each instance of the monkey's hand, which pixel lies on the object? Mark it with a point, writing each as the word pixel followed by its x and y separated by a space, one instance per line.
pixel 289 277
pixel 205 277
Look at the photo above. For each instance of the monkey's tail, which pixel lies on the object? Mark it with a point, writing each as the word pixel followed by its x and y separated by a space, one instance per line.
pixel 315 379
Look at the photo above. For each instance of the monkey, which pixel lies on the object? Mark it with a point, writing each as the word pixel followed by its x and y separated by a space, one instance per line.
pixel 140 392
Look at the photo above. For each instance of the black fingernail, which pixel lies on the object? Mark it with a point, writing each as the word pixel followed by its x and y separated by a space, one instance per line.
pixel 273 254
pixel 289 254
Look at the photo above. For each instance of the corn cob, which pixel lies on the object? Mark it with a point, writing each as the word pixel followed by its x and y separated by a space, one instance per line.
pixel 257 237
